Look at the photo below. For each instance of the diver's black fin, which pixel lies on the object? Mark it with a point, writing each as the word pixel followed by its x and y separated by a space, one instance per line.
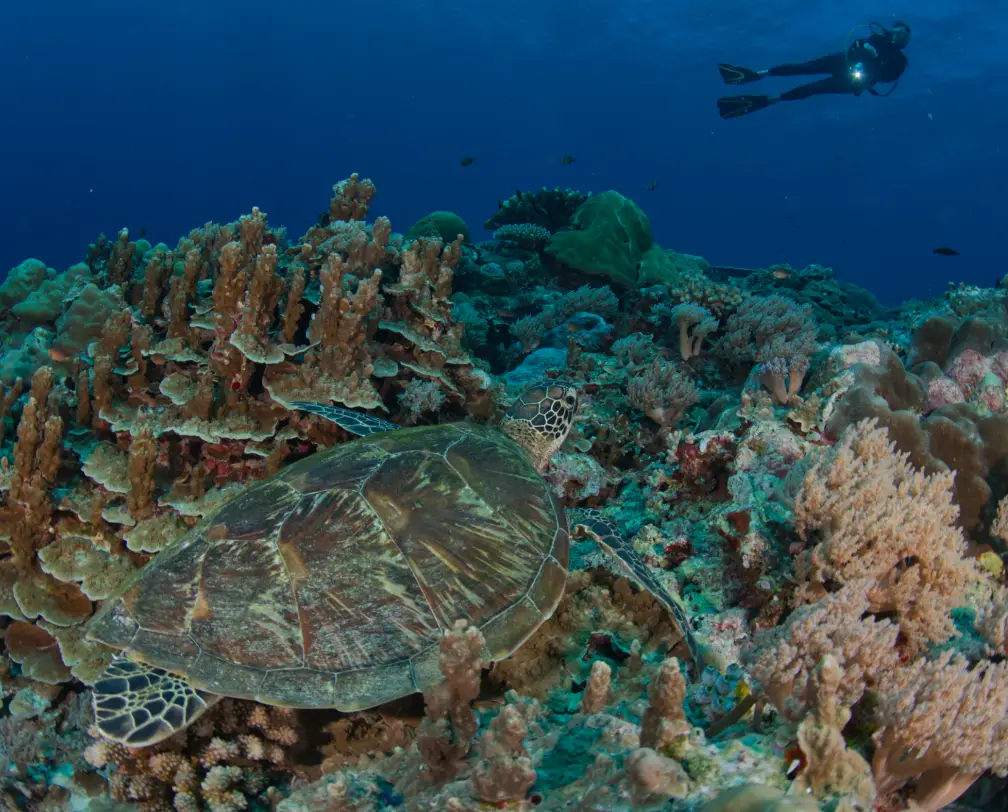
pixel 734 75
pixel 735 106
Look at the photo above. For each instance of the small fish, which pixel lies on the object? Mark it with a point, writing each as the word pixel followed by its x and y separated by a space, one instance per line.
pixel 467 161
pixel 57 355
pixel 945 251
pixel 143 233
pixel 567 159
pixel 781 273
pixel 652 186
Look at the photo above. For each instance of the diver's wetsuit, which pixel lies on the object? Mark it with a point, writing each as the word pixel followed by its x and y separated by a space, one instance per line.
pixel 886 64
pixel 865 63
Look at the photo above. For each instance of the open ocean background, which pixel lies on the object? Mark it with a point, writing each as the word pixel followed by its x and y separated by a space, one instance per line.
pixel 163 116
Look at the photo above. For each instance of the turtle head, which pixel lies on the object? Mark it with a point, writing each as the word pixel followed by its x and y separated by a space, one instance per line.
pixel 541 418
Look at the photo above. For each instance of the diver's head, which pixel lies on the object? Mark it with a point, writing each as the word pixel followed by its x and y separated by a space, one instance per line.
pixel 900 34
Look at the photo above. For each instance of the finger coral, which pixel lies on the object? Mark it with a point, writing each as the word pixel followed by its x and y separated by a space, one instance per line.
pixel 504 772
pixel 446 734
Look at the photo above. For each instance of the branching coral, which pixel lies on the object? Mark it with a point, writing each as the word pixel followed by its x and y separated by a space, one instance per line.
pixel 782 659
pixel 445 735
pixel 664 720
pixel 945 723
pixel 504 772
pixel 596 692
pixel 351 198
pixel 832 769
pixel 875 516
pixel 229 757
pixel 26 591
pixel 142 455
pixel 338 365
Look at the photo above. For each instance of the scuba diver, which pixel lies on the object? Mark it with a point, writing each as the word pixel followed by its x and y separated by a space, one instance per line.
pixel 858 68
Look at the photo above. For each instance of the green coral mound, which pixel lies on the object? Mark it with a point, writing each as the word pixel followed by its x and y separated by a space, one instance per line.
pixel 444 224
pixel 609 238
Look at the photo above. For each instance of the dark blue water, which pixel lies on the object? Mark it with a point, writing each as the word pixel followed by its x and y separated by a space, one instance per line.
pixel 165 115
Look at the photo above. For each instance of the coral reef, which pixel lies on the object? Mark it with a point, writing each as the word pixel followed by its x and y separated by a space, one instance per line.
pixel 819 483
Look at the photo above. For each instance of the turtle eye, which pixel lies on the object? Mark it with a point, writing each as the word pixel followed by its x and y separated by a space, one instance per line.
pixel 571 401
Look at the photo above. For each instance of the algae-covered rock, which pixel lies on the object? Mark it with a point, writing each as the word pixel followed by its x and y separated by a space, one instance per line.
pixel 609 237
pixel 444 224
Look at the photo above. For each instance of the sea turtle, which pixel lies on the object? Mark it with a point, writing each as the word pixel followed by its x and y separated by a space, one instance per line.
pixel 330 584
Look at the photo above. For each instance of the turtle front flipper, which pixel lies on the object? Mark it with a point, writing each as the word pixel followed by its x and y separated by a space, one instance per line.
pixel 607 535
pixel 138 705
pixel 355 422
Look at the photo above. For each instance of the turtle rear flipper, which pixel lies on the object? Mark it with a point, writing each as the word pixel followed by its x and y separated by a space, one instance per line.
pixel 607 535
pixel 138 705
